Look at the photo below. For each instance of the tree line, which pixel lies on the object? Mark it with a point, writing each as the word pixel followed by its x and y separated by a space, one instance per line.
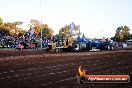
pixel 122 34
pixel 13 28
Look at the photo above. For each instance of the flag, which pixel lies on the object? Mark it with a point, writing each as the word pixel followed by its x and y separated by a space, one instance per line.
pixel 71 28
pixel 31 32
pixel 79 29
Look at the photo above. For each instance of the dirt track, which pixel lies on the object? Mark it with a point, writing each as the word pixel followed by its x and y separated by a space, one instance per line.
pixel 59 70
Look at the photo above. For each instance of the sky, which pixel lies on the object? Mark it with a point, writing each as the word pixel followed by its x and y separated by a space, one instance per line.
pixel 97 18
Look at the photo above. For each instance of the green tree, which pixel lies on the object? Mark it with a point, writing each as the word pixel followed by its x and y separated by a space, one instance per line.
pixel 122 34
pixel 131 36
pixel 17 23
pixel 1 21
pixel 11 28
pixel 34 22
pixel 118 33
pixel 66 30
pixel 37 26
pixel 4 31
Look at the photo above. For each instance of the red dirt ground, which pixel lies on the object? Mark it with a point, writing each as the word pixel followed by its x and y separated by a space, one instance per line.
pixel 37 69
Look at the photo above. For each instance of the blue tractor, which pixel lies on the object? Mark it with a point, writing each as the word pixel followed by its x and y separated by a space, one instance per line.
pixel 87 44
